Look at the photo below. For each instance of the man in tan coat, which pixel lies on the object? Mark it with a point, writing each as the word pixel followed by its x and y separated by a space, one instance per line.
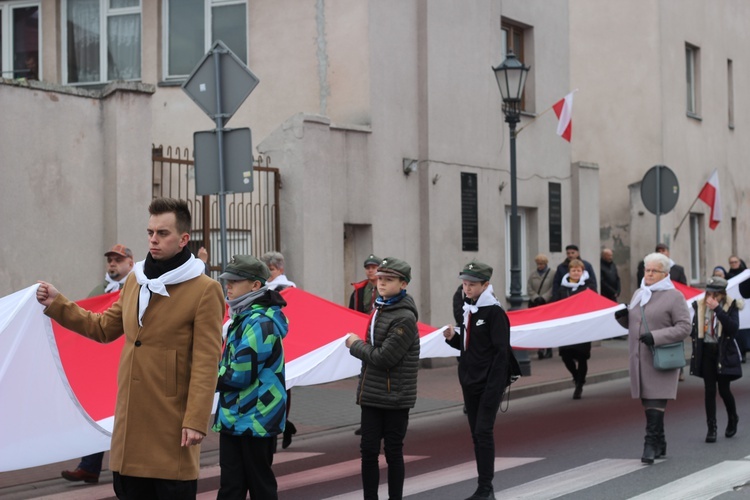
pixel 170 313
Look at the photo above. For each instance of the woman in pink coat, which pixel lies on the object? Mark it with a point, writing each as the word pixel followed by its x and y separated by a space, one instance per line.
pixel 667 320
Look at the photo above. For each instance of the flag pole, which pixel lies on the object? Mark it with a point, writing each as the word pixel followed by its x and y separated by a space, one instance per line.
pixel 677 229
pixel 518 131
pixel 537 116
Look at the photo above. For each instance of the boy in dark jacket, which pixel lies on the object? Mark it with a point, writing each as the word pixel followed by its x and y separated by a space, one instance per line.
pixel 251 385
pixel 387 387
pixel 483 368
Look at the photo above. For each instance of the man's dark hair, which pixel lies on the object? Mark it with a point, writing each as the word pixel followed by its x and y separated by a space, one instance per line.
pixel 661 247
pixel 179 208
pixel 572 247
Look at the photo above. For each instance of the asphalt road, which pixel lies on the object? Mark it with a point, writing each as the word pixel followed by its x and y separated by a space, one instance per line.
pixel 548 446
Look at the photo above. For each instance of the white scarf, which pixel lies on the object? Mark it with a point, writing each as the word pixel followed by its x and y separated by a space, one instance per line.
pixel 643 294
pixel 188 271
pixel 281 280
pixel 569 284
pixel 486 299
pixel 112 285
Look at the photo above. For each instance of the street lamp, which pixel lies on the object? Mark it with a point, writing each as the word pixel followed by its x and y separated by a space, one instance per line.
pixel 511 78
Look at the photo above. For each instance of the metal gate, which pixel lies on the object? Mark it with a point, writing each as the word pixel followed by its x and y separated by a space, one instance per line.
pixel 252 218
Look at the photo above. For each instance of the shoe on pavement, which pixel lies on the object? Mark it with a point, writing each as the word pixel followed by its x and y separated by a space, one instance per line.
pixel 289 431
pixel 482 493
pixel 358 432
pixel 80 475
pixel 577 392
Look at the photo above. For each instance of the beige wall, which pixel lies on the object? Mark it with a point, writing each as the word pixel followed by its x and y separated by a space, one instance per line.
pixel 74 181
pixel 630 114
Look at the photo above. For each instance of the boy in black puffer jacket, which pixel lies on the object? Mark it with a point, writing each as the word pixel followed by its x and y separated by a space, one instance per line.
pixel 387 387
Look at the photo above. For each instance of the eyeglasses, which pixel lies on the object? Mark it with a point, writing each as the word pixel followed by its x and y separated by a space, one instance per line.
pixel 652 271
pixel 734 261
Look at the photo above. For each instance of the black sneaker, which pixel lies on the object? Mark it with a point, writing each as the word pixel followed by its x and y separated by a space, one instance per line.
pixel 482 492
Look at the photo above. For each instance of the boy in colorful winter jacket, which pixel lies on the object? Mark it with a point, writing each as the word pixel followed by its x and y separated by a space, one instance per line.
pixel 251 385
pixel 387 387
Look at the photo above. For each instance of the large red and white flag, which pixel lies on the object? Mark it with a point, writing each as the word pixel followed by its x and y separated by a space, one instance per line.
pixel 564 111
pixel 710 196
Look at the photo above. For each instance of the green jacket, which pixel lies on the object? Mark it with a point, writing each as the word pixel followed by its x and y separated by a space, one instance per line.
pixel 389 365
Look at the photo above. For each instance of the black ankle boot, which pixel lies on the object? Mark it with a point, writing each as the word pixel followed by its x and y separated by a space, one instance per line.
pixel 289 431
pixel 577 391
pixel 732 425
pixel 711 434
pixel 650 442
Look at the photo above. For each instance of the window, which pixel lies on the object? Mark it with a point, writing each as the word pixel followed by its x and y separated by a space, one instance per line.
pixel 469 213
pixel 102 40
pixel 696 248
pixel 513 41
pixel 192 27
pixel 692 68
pixel 730 93
pixel 20 39
pixel 555 216
pixel 522 249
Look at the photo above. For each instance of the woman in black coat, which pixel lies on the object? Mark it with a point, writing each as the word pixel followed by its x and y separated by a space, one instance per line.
pixel 575 356
pixel 716 356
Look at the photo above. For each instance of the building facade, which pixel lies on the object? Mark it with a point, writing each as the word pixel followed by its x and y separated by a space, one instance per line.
pixel 386 123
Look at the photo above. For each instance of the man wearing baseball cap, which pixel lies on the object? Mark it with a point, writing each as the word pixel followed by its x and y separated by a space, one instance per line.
pixel 119 266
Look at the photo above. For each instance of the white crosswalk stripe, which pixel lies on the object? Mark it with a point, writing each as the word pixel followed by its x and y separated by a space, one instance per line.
pixel 330 473
pixel 705 484
pixel 570 481
pixel 444 477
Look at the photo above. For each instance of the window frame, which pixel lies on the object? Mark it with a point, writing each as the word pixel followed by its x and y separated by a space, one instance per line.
pixel 692 77
pixel 104 13
pixel 508 42
pixel 6 36
pixel 697 235
pixel 730 94
pixel 207 33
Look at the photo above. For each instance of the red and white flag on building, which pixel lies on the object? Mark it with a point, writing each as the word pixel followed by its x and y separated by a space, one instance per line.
pixel 710 196
pixel 564 111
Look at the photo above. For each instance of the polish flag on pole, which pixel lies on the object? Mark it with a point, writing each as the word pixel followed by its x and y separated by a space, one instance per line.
pixel 710 196
pixel 564 111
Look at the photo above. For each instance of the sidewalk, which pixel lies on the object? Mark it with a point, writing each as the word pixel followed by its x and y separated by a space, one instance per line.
pixel 331 408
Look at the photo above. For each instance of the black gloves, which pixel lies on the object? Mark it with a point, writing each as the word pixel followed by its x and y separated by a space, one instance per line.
pixel 647 338
pixel 621 313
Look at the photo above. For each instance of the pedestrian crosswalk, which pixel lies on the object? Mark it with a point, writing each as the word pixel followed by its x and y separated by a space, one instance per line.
pixel 570 481
pixel 710 482
pixel 440 478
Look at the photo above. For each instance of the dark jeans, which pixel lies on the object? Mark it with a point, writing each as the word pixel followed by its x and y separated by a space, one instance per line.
pixel 92 463
pixel 148 488
pixel 246 466
pixel 482 425
pixel 711 378
pixel 388 426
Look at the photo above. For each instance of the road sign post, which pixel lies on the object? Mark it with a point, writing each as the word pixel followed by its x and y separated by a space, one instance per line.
pixel 659 193
pixel 219 85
